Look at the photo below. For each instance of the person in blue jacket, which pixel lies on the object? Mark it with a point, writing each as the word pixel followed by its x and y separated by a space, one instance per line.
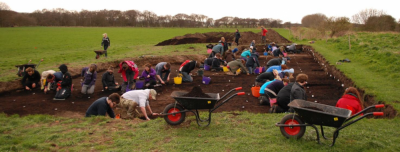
pixel 245 54
pixel 280 68
pixel 271 91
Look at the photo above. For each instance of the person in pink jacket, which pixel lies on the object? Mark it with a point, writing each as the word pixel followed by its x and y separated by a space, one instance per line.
pixel 129 72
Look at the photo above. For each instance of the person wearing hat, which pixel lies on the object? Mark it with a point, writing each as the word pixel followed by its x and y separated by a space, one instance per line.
pixel 64 87
pixel 130 100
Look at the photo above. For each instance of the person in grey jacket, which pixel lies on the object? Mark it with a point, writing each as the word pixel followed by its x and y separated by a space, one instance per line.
pixel 297 91
pixel 217 49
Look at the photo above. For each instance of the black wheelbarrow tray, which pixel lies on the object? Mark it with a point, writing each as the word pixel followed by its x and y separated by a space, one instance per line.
pixel 175 113
pixel 310 114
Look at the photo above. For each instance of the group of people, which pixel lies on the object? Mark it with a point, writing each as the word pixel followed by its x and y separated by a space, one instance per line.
pixel 275 88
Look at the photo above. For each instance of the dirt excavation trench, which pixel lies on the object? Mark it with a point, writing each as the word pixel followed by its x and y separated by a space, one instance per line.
pixel 326 85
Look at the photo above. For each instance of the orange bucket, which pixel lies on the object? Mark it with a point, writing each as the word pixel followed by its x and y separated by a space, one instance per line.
pixel 255 91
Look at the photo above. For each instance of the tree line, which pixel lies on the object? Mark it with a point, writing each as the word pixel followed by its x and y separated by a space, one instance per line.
pixel 132 18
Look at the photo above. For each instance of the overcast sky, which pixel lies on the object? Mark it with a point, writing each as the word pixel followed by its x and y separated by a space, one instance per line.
pixel 286 10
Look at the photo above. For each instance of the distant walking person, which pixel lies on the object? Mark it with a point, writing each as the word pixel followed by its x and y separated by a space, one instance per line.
pixel 237 37
pixel 264 34
pixel 105 43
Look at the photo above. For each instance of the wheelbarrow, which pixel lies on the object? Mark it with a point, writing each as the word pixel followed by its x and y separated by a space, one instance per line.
pixel 175 113
pixel 99 53
pixel 311 114
pixel 21 68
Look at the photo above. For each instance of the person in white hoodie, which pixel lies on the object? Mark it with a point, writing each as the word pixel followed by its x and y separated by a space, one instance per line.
pixel 131 99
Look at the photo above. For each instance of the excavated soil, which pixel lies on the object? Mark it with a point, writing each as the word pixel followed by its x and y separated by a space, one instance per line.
pixel 326 85
pixel 197 92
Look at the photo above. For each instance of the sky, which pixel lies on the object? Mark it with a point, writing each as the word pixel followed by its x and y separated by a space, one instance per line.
pixel 287 10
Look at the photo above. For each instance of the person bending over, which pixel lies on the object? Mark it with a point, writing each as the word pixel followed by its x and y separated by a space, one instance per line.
pixel 163 71
pixel 130 100
pixel 186 68
pixel 104 105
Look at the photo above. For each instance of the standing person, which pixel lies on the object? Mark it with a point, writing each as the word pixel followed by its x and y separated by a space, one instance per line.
pixel 216 63
pixel 149 76
pixel 130 100
pixel 234 65
pixel 265 77
pixel 104 105
pixel 351 100
pixel 51 81
pixel 217 49
pixel 264 34
pixel 297 91
pixel 64 87
pixel 31 79
pixel 225 44
pixel 163 70
pixel 129 72
pixel 89 75
pixel 105 43
pixel 185 68
pixel 237 37
pixel 108 80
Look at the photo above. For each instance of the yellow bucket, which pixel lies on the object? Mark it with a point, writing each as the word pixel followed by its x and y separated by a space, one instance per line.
pixel 225 69
pixel 238 71
pixel 178 80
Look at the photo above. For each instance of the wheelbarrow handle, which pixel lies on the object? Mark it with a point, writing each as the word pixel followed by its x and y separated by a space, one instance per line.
pixel 365 109
pixel 380 106
pixel 240 93
pixel 377 113
pixel 238 88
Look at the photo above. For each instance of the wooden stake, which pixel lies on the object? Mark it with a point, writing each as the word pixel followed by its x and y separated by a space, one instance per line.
pixel 349 43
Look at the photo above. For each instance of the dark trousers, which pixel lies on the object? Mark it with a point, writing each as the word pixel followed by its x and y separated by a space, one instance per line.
pixel 29 84
pixel 217 68
pixel 212 54
pixel 63 93
pixel 105 50
pixel 150 84
pixel 237 42
pixel 164 74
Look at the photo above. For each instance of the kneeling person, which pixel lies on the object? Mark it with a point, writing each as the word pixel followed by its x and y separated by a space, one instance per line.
pixel 109 81
pixel 186 68
pixel 104 105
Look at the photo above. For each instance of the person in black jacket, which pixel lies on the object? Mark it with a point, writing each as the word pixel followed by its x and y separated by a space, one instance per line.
pixel 186 69
pixel 266 76
pixel 31 79
pixel 274 61
pixel 237 37
pixel 108 80
pixel 283 98
pixel 252 62
pixel 104 105
pixel 105 43
pixel 226 47
pixel 64 87
pixel 278 52
pixel 216 63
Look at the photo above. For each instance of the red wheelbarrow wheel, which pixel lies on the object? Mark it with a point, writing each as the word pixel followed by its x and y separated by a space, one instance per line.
pixel 292 132
pixel 174 119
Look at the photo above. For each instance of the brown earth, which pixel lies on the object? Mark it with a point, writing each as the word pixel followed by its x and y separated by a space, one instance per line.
pixel 326 85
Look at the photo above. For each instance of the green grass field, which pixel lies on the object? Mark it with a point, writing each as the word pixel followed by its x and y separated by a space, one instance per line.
pixel 227 132
pixel 75 45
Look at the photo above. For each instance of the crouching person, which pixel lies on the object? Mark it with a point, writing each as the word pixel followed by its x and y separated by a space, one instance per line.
pixel 43 79
pixel 64 87
pixel 104 105
pixel 216 63
pixel 234 65
pixel 129 72
pixel 163 70
pixel 51 81
pixel 149 76
pixel 31 79
pixel 130 100
pixel 186 68
pixel 109 81
pixel 89 79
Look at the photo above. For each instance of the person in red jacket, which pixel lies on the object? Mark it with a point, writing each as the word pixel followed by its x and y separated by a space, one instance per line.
pixel 129 72
pixel 264 34
pixel 351 100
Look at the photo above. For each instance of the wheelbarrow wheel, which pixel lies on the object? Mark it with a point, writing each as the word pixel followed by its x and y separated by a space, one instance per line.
pixel 174 119
pixel 292 132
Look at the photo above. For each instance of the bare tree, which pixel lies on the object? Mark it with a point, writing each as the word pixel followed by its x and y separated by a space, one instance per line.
pixel 362 16
pixel 313 20
pixel 337 24
pixel 4 7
